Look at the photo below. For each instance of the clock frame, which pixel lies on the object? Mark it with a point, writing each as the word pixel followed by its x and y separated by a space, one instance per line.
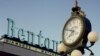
pixel 81 33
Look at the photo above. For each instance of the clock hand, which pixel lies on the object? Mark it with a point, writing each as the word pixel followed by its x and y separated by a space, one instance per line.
pixel 72 32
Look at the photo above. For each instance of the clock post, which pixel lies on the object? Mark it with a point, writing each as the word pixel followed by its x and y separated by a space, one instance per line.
pixel 76 33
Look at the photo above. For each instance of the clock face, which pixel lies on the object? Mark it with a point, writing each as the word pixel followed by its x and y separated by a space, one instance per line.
pixel 72 30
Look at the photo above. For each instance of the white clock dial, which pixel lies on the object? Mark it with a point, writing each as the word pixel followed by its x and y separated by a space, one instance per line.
pixel 72 30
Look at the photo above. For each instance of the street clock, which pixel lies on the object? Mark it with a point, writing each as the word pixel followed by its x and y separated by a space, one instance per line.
pixel 76 28
pixel 73 30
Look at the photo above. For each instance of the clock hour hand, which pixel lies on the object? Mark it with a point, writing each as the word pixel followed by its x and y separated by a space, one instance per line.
pixel 72 32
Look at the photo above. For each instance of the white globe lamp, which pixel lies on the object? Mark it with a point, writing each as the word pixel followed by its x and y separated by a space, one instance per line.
pixel 62 48
pixel 76 53
pixel 92 37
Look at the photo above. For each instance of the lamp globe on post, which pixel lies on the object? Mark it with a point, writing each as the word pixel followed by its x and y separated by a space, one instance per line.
pixel 76 53
pixel 61 48
pixel 92 37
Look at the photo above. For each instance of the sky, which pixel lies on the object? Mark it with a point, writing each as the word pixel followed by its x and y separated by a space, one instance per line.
pixel 48 16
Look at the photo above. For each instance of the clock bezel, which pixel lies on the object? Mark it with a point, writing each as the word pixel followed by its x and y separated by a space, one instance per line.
pixel 81 34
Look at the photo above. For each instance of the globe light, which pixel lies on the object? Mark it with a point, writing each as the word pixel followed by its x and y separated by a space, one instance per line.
pixel 92 37
pixel 76 53
pixel 62 48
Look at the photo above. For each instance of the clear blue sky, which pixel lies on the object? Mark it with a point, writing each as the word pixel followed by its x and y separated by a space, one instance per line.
pixel 48 16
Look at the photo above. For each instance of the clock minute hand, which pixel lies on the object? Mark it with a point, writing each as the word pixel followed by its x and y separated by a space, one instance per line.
pixel 70 30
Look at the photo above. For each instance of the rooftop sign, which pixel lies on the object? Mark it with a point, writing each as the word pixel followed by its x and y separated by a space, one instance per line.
pixel 30 37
